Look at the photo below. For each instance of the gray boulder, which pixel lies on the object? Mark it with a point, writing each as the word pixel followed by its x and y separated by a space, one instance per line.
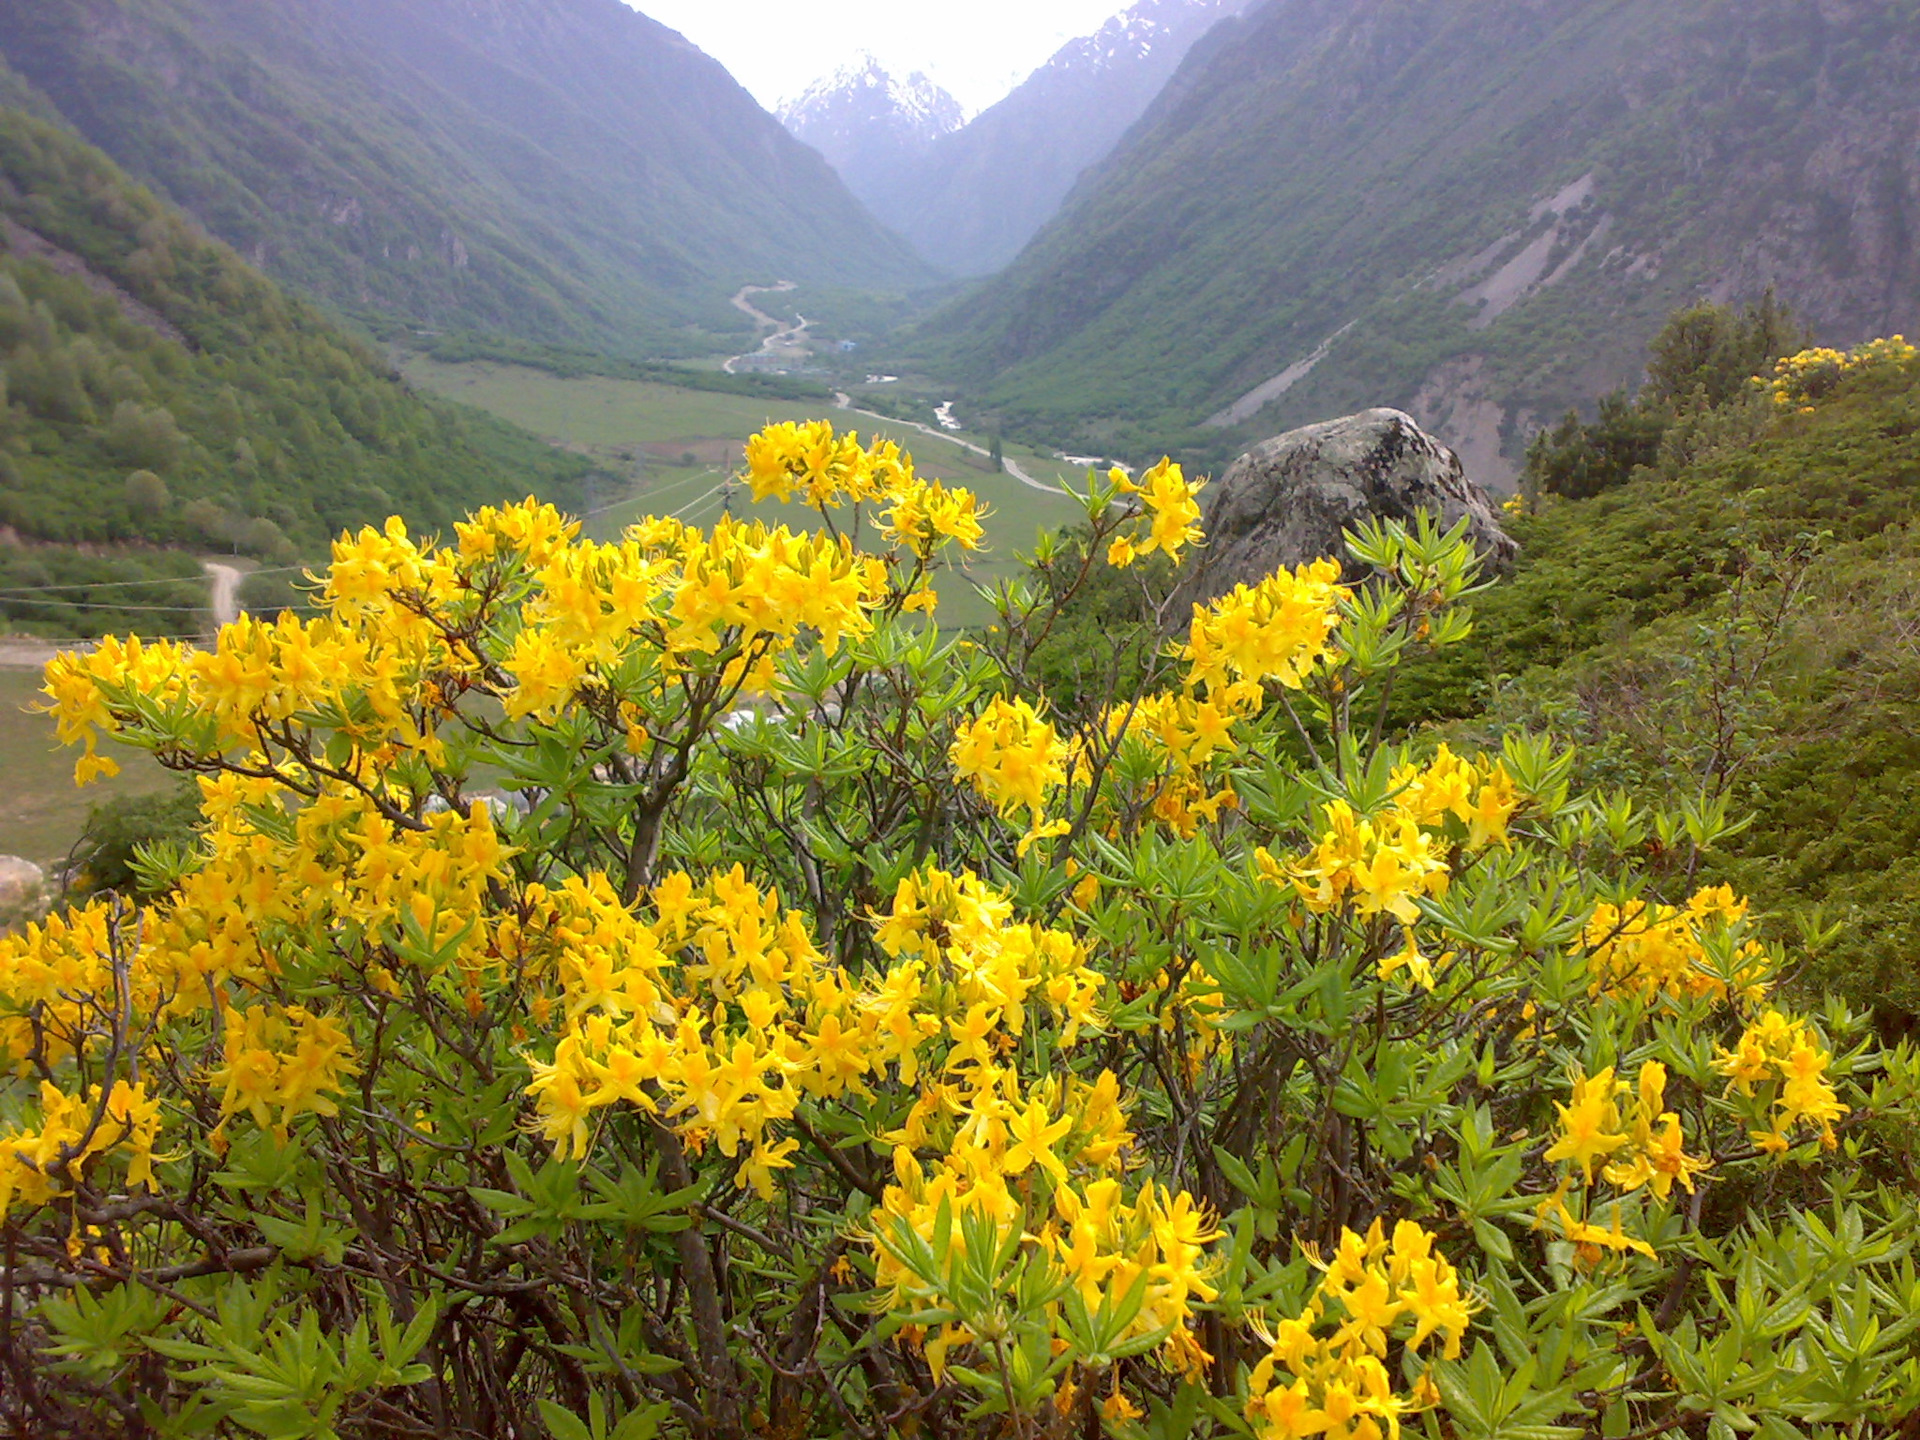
pixel 1289 499
pixel 23 892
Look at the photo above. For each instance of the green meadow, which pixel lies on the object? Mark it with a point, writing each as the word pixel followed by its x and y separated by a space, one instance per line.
pixel 42 812
pixel 679 448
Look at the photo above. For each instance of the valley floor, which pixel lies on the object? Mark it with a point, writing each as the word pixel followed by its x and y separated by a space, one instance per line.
pixel 678 449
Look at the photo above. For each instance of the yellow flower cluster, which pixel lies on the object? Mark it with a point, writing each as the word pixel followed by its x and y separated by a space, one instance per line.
pixel 1377 866
pixel 1478 794
pixel 1592 1130
pixel 1015 759
pixel 1325 1371
pixel 925 514
pixel 1803 378
pixel 1274 631
pixel 719 1014
pixel 985 966
pixel 1652 950
pixel 76 688
pixel 38 1165
pixel 1035 1174
pixel 410 629
pixel 47 974
pixel 757 582
pixel 285 1060
pixel 337 866
pixel 1385 864
pixel 1184 733
pixel 1780 1069
pixel 1172 514
pixel 49 978
pixel 830 470
pixel 1644 1147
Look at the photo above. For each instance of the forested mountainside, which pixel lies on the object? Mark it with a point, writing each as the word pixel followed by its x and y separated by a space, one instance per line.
pixel 155 391
pixel 872 126
pixel 549 169
pixel 1479 212
pixel 973 197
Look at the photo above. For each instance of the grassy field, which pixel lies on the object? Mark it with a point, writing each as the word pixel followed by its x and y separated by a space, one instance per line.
pixel 41 812
pixel 680 446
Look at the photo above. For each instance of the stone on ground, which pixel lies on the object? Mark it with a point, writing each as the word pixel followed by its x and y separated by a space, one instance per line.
pixel 1289 499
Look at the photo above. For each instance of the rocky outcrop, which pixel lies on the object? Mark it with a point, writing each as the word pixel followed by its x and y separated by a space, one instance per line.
pixel 1289 499
pixel 23 892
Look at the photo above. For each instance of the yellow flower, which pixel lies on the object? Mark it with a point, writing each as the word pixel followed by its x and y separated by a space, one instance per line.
pixel 1654 950
pixel 925 515
pixel 1033 1132
pixel 1419 969
pixel 1312 1382
pixel 1591 1240
pixel 1779 1067
pixel 1590 1126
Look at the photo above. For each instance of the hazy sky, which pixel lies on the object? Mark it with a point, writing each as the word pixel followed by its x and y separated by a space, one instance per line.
pixel 978 49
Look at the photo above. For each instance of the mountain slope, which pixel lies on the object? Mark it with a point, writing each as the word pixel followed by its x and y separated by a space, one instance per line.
pixel 553 169
pixel 1478 211
pixel 157 391
pixel 974 197
pixel 871 127
pixel 1742 620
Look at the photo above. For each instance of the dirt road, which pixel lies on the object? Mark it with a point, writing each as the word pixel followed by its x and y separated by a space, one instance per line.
pixel 225 603
pixel 787 342
pixel 844 401
pixel 24 652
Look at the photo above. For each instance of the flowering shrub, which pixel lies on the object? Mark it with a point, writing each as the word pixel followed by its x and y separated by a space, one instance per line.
pixel 671 987
pixel 1801 379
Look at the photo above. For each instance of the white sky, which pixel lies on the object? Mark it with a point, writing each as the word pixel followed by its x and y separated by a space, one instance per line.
pixel 978 49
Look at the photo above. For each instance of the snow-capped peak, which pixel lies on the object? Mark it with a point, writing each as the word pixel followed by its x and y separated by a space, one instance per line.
pixel 866 96
pixel 1134 33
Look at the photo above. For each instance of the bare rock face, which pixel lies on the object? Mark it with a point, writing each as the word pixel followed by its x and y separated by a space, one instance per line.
pixel 1289 499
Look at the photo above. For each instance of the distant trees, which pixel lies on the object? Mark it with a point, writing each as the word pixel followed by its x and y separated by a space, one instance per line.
pixel 1578 458
pixel 149 438
pixel 147 493
pixel 1708 354
pixel 1704 358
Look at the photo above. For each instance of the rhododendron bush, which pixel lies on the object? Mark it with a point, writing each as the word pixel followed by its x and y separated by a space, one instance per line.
pixel 672 986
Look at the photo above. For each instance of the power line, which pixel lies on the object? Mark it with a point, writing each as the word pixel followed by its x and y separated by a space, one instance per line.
pixel 645 499
pixel 194 579
pixel 94 605
pixel 697 503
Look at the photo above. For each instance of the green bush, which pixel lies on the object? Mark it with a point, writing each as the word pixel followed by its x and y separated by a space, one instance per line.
pixel 107 856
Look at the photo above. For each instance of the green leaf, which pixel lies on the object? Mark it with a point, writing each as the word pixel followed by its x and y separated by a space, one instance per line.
pixel 563 1423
